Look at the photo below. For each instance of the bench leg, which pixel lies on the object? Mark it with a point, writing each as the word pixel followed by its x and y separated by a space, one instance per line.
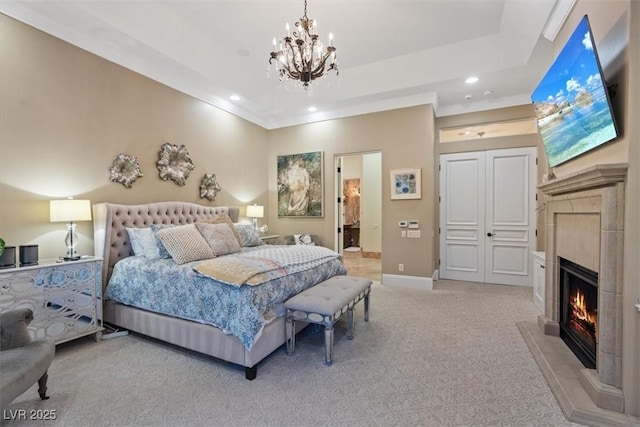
pixel 42 386
pixel 366 307
pixel 328 345
pixel 290 331
pixel 350 323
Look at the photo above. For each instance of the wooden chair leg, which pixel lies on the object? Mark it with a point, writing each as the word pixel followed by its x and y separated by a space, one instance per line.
pixel 42 386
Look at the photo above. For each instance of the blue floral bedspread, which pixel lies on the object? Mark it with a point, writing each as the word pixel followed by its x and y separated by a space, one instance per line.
pixel 162 286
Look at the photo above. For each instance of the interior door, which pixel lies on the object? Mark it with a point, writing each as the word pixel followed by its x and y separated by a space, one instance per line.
pixel 510 216
pixel 462 216
pixel 339 219
pixel 487 216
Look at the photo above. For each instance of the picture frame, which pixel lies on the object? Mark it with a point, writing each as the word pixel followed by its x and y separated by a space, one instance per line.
pixel 301 185
pixel 405 184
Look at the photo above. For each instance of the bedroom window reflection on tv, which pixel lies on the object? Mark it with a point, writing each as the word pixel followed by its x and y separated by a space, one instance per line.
pixel 572 102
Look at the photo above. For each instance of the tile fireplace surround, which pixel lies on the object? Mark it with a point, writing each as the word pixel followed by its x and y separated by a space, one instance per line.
pixel 585 224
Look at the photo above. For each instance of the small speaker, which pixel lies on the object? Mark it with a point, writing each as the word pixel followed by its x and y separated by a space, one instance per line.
pixel 28 254
pixel 8 257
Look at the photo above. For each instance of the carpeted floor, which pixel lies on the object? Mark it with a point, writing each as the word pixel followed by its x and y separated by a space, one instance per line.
pixel 447 357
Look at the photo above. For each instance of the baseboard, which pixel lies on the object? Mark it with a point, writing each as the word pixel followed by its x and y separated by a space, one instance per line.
pixel 412 282
pixel 436 274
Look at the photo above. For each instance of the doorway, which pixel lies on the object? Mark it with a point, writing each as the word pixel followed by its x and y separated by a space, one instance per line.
pixel 359 212
pixel 487 216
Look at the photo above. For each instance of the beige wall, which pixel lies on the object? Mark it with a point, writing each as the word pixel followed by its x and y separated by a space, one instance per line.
pixel 370 231
pixel 610 26
pixel 615 28
pixel 66 114
pixel 404 137
pixel 631 294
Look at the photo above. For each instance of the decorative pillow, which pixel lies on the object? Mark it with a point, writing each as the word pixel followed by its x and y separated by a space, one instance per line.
pixel 303 239
pixel 162 251
pixel 224 219
pixel 220 237
pixel 248 234
pixel 13 328
pixel 185 243
pixel 143 242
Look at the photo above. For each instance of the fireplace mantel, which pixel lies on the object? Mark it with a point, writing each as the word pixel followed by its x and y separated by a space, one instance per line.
pixel 593 177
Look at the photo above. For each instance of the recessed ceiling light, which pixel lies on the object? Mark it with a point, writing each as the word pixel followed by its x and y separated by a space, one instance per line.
pixel 312 109
pixel 471 80
pixel 235 97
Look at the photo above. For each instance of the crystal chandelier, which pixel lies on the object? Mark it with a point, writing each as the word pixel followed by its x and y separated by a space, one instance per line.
pixel 302 56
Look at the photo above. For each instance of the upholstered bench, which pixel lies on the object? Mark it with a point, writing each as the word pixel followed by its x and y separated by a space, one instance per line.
pixel 323 304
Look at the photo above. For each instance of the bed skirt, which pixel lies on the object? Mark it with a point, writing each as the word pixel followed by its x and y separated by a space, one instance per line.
pixel 196 336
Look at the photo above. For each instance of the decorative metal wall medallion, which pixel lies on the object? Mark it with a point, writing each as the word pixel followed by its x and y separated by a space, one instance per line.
pixel 125 170
pixel 174 163
pixel 209 187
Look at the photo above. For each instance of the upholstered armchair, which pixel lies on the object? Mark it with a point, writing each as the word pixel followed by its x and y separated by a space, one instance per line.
pixel 23 361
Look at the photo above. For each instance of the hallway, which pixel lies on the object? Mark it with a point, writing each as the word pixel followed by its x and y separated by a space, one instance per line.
pixel 356 265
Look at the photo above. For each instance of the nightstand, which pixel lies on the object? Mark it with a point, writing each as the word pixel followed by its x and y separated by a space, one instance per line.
pixel 271 239
pixel 65 297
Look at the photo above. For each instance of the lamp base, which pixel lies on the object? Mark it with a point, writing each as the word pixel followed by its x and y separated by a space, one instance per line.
pixel 71 258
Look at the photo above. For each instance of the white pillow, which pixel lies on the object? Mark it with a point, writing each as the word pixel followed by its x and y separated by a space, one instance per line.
pixel 143 242
pixel 303 239
pixel 185 243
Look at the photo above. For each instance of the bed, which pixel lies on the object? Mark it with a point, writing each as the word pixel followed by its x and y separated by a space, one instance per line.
pixel 193 307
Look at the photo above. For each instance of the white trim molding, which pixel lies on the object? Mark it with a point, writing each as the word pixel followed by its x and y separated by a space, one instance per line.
pixel 412 282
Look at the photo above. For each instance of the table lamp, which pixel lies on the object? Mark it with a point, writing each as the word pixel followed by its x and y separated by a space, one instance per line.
pixel 255 212
pixel 70 210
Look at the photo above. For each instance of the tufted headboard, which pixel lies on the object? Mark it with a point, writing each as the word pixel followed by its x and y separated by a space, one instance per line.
pixel 110 238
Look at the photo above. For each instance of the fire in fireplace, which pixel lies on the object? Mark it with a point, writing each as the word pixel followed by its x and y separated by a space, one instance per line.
pixel 579 310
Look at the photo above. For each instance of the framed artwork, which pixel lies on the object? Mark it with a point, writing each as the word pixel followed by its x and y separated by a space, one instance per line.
pixel 405 184
pixel 300 185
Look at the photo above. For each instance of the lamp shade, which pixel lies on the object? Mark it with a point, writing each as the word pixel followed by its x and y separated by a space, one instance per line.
pixel 255 211
pixel 69 210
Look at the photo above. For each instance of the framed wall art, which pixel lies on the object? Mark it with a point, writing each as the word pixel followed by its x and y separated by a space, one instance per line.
pixel 300 185
pixel 405 184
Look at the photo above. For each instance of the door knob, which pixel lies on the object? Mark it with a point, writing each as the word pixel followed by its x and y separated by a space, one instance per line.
pixel 489 234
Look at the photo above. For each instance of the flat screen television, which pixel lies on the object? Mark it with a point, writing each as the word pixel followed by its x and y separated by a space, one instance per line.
pixel 572 101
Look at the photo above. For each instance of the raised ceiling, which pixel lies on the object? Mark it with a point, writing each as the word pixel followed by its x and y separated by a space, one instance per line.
pixel 392 54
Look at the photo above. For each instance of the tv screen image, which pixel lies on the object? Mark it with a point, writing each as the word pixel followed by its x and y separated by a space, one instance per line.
pixel 572 103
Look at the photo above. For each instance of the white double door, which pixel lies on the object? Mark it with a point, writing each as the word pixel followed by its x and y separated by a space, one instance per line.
pixel 487 216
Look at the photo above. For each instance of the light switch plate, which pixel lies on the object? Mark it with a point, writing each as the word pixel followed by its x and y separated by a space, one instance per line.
pixel 413 234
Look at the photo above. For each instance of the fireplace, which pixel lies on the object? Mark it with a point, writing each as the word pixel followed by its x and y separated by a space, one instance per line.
pixel 579 310
pixel 585 224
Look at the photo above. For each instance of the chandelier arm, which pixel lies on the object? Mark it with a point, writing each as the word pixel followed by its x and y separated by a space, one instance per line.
pixel 294 74
pixel 318 72
pixel 321 64
pixel 292 49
